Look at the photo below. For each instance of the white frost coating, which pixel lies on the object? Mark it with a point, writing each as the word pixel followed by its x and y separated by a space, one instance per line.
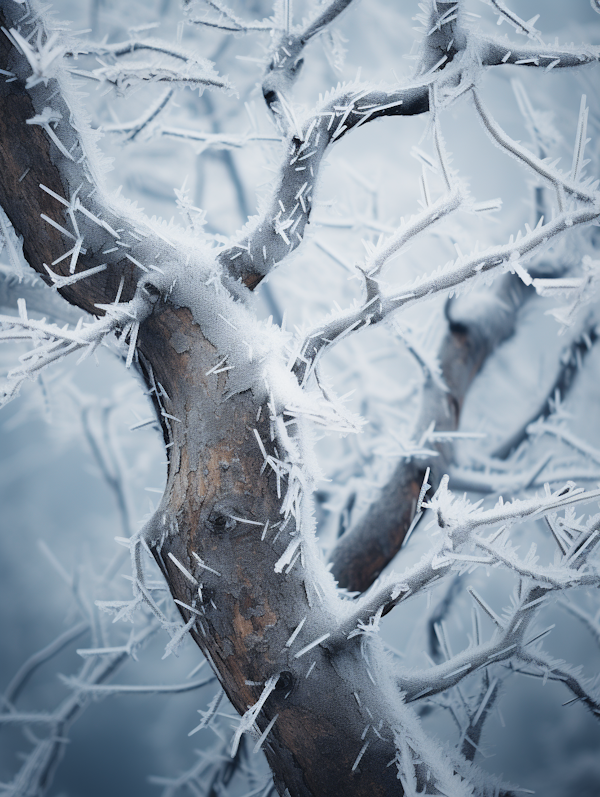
pixel 247 721
pixel 264 734
pixel 287 556
pixel 203 564
pixel 312 645
pixel 295 633
pixel 8 234
pixel 185 572
pixel 413 745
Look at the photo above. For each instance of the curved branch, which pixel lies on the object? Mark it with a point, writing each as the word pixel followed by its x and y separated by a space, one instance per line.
pixel 281 227
pixel 26 670
pixel 495 52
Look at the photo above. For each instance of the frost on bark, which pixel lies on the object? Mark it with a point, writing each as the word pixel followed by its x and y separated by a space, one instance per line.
pixel 234 533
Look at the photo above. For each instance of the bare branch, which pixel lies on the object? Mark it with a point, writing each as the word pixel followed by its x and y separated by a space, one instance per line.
pixel 20 678
pixel 135 689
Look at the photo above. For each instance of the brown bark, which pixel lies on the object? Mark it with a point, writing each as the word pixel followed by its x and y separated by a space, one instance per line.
pixel 248 611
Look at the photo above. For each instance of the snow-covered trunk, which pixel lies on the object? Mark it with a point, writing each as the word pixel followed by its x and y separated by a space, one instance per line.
pixel 247 607
pixel 262 609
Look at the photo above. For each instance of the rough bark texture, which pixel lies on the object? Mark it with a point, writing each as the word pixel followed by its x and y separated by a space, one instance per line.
pixel 248 611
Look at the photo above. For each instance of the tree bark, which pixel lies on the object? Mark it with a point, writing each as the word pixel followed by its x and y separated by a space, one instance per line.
pixel 322 742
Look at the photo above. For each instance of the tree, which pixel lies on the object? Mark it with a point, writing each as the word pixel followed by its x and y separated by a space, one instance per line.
pixel 237 399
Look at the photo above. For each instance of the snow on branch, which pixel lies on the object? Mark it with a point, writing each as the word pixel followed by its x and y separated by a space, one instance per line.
pixel 192 70
pixel 135 689
pixel 465 269
pixel 459 522
pixel 227 20
pixel 280 228
pixel 52 343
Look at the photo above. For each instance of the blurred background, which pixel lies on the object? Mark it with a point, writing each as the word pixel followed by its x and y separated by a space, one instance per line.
pixel 73 475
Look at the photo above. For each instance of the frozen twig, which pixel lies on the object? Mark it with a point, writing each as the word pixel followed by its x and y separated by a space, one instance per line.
pixel 52 343
pixel 459 522
pixel 135 689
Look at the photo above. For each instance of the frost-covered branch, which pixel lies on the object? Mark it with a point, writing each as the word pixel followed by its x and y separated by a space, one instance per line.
pixel 317 341
pixel 20 678
pixel 508 639
pixel 571 360
pixel 193 71
pixel 453 275
pixel 504 13
pixel 51 343
pixel 559 670
pixel 495 52
pixel 280 228
pixel 477 324
pixel 227 21
pixel 38 297
pixel 214 140
pixel 540 428
pixel 572 185
pixel 134 128
pixel 127 76
pixel 459 521
pixel 102 445
pixel 41 761
pixel 591 622
pixel 97 690
pixel 465 269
